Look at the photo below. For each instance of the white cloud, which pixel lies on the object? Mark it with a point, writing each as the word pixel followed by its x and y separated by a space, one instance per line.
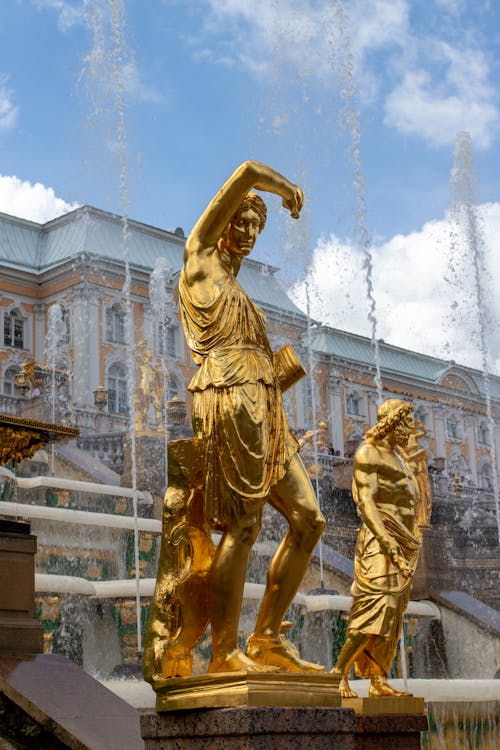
pixel 436 108
pixel 33 202
pixel 8 110
pixel 419 304
pixel 306 33
pixel 69 14
pixel 433 88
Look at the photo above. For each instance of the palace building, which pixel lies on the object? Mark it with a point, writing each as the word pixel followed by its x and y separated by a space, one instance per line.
pixel 77 260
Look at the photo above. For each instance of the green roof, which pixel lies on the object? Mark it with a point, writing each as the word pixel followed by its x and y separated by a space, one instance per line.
pixel 36 247
pixel 355 349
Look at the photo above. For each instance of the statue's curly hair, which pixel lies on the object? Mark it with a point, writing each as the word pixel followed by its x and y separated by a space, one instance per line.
pixel 255 202
pixel 389 415
pixel 250 201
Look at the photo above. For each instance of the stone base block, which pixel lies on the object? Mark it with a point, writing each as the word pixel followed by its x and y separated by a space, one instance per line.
pixel 275 728
pixel 20 636
pixel 247 689
pixel 385 705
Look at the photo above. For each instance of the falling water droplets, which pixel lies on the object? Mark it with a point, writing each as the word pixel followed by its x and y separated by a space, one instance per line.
pixel 467 232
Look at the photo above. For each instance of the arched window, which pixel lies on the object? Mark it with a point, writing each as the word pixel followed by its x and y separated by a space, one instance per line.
pixel 115 324
pixel 117 389
pixel 9 380
pixel 13 329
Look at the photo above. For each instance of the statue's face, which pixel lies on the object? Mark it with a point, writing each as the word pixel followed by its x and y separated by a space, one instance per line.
pixel 243 232
pixel 403 430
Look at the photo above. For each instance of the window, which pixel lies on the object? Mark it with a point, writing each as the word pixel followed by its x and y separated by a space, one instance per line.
pixel 66 330
pixel 483 433
pixel 117 389
pixel 419 414
pixel 13 330
pixel 172 388
pixel 115 324
pixel 453 428
pixel 352 404
pixel 167 337
pixel 9 381
pixel 486 477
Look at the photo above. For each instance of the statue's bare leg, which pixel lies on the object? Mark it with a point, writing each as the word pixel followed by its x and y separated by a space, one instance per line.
pixel 227 579
pixel 353 646
pixel 294 497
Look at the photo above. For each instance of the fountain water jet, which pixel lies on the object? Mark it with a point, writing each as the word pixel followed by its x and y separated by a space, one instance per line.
pixel 467 222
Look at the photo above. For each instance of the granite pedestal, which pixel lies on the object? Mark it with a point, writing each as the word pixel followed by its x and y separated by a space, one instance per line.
pixel 20 633
pixel 266 728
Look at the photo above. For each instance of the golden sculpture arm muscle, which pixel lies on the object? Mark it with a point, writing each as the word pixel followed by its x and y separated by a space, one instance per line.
pixel 365 489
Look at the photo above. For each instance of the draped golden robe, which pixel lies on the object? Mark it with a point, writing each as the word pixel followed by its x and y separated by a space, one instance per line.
pixel 237 404
pixel 380 591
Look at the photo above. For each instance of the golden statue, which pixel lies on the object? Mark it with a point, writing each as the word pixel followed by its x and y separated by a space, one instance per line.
pixel 244 452
pixel 418 457
pixel 386 493
pixel 151 389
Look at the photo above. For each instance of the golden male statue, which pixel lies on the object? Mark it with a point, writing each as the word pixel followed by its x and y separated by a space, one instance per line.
pixel 248 455
pixel 385 491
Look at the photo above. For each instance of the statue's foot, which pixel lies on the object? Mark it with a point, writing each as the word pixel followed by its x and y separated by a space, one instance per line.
pixel 379 687
pixel 344 688
pixel 277 651
pixel 236 661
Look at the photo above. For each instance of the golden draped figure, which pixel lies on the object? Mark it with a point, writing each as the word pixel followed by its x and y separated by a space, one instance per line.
pixel 245 453
pixel 150 390
pixel 386 493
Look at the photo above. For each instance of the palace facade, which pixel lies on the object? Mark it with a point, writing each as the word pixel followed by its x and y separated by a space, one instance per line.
pixel 77 260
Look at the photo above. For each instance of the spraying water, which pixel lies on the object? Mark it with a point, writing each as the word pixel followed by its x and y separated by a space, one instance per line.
pixel 55 333
pixel 466 219
pixel 106 64
pixel 163 311
pixel 349 117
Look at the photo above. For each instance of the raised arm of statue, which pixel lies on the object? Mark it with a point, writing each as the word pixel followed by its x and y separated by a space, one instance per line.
pixel 219 212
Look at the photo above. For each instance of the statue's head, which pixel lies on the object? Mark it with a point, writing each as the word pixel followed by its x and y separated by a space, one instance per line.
pixel 393 417
pixel 241 233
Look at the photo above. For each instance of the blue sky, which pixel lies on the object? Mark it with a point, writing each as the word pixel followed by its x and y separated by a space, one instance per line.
pixel 207 84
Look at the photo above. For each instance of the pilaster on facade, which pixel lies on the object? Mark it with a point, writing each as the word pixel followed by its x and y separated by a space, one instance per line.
pixel 440 427
pixel 470 436
pixel 39 330
pixel 335 412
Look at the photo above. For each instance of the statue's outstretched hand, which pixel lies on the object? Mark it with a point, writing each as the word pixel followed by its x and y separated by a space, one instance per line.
pixel 295 202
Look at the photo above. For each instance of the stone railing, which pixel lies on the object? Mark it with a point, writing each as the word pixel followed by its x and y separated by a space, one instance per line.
pixel 106 447
pixel 10 405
